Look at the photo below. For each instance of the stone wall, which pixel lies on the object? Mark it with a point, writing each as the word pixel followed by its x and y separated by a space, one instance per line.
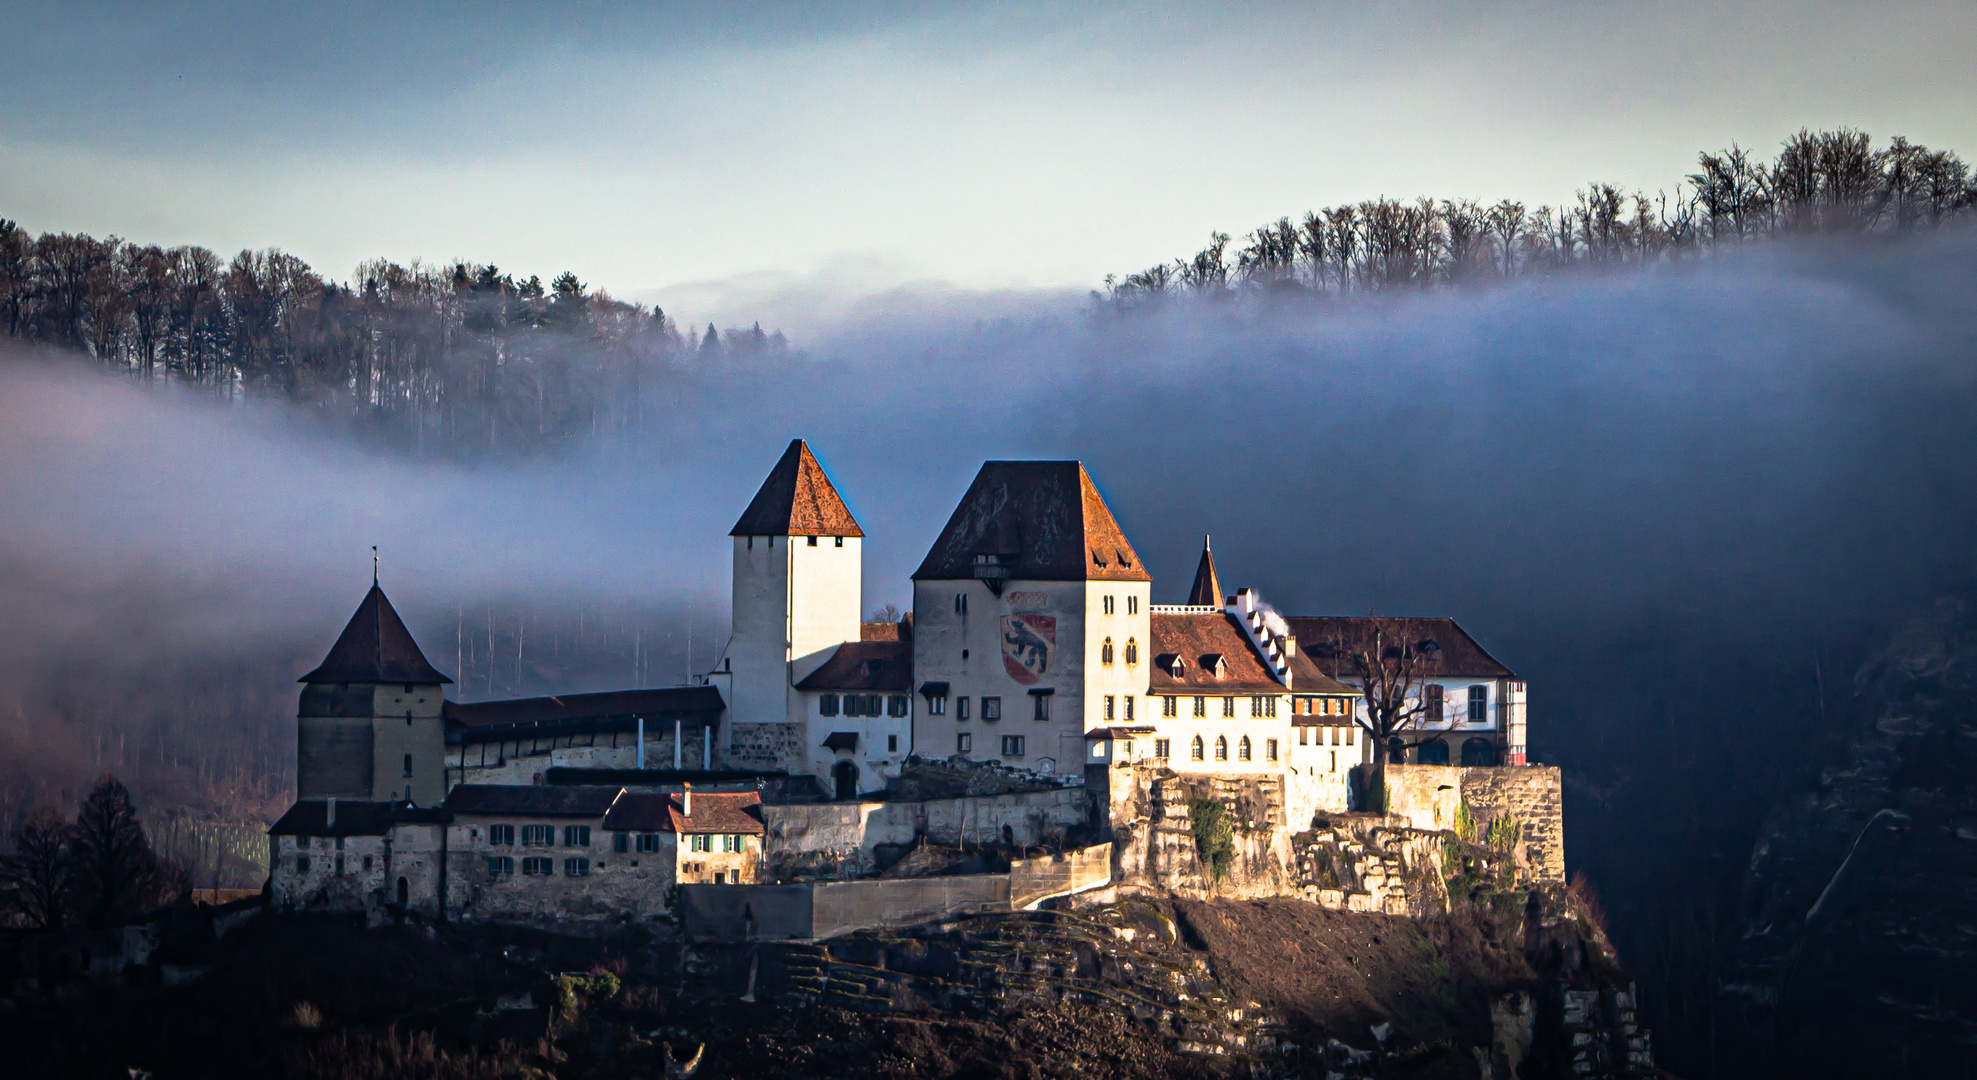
pixel 765 747
pixel 841 839
pixel 1431 797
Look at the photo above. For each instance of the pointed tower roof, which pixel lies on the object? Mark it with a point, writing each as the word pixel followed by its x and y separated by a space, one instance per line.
pixel 797 499
pixel 1207 591
pixel 1040 520
pixel 375 648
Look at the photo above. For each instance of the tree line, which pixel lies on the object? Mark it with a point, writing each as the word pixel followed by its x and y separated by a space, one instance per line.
pixel 460 358
pixel 1821 182
pixel 97 871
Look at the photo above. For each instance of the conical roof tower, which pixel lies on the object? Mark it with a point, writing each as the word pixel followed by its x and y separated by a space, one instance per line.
pixel 1207 591
pixel 797 499
pixel 375 647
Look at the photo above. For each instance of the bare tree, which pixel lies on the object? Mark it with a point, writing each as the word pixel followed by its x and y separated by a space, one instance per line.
pixel 35 885
pixel 1391 673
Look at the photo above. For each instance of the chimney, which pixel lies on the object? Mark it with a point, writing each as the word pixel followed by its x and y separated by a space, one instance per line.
pixel 329 813
pixel 688 800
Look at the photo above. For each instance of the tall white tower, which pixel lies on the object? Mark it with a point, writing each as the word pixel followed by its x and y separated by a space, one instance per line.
pixel 798 581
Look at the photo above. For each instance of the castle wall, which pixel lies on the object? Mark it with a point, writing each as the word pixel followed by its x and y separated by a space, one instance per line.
pixel 343 874
pixel 840 839
pixel 1429 796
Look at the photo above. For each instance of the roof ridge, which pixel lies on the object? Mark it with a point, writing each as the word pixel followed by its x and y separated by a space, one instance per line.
pixel 797 498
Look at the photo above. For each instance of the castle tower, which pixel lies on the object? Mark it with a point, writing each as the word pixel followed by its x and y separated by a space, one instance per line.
pixel 798 587
pixel 370 725
pixel 1031 621
pixel 1207 591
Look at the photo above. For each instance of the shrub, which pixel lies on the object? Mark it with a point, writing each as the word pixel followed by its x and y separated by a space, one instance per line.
pixel 1214 835
pixel 1503 834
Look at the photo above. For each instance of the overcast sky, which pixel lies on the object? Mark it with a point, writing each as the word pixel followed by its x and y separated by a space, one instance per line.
pixel 686 152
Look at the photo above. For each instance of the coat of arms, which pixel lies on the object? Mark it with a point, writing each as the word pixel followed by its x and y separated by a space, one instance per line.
pixel 1027 638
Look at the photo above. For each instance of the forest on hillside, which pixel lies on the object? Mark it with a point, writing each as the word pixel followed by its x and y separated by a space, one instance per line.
pixel 1828 182
pixel 461 359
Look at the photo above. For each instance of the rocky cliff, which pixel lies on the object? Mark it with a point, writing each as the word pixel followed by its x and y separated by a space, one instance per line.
pixel 1859 930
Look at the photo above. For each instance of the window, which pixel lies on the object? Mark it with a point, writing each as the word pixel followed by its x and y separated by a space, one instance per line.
pixel 1170 706
pixel 1012 746
pixel 1098 748
pixel 991 708
pixel 648 841
pixel 1242 749
pixel 1335 761
pixel 1348 736
pixel 1255 707
pixel 1431 698
pixel 500 865
pixel 1108 610
pixel 964 743
pixel 700 842
pixel 502 835
pixel 961 708
pixel 1200 707
pixel 576 836
pixel 1129 707
pixel 302 864
pixel 1221 748
pixel 813 541
pixel 1105 652
pixel 896 705
pixel 1270 749
pixel 408 764
pixel 538 835
pixel 1335 736
pixel 621 843
pixel 1042 705
pixel 539 866
pixel 875 705
pixel 1162 748
pixel 1479 704
pixel 892 744
pixel 827 705
pixel 1132 650
pixel 1110 703
pixel 367 864
pixel 1129 748
pixel 1304 736
pixel 937 706
pixel 839 541
pixel 961 603
pixel 850 704
pixel 1229 707
pixel 339 866
pixel 1195 751
pixel 731 843
pixel 1132 608
pixel 1433 752
pixel 581 867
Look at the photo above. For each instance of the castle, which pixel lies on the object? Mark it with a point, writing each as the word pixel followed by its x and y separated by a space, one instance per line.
pixel 1033 650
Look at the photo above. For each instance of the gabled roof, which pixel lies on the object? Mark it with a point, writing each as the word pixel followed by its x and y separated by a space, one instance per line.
pixel 865 665
pixel 532 800
pixel 1207 591
pixel 712 813
pixel 797 499
pixel 564 709
pixel 375 647
pixel 1042 520
pixel 353 818
pixel 1321 636
pixel 1198 639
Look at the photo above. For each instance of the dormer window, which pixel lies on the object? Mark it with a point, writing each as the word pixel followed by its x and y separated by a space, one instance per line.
pixel 1171 663
pixel 1215 664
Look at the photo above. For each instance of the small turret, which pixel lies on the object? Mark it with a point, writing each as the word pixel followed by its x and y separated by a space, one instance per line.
pixel 1207 591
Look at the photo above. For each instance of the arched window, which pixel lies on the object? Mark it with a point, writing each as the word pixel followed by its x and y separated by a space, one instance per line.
pixel 1397 751
pixel 1479 752
pixel 1196 749
pixel 1105 652
pixel 1242 749
pixel 1132 651
pixel 1221 748
pixel 1434 752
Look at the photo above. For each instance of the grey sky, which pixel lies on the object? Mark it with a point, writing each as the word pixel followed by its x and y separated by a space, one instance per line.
pixel 657 149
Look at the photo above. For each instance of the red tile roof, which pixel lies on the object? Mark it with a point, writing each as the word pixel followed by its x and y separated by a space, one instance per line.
pixel 712 813
pixel 865 665
pixel 797 499
pixel 375 647
pixel 1191 637
pixel 1330 639
pixel 1044 520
